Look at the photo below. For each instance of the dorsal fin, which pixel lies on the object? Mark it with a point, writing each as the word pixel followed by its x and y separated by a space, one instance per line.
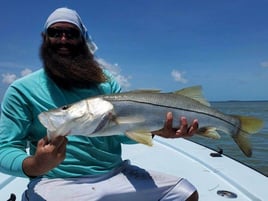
pixel 194 92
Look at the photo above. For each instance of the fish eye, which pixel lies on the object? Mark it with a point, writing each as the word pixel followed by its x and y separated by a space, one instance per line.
pixel 65 107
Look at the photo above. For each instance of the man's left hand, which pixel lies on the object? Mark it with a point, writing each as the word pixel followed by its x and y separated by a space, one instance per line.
pixel 184 130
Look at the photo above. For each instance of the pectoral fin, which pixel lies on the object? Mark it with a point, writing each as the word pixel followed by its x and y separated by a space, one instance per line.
pixel 209 132
pixel 144 137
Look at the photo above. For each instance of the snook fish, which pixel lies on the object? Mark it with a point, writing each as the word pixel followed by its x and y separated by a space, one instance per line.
pixel 137 113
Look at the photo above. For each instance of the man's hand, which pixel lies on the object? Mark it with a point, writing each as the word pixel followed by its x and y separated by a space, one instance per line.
pixel 183 131
pixel 48 155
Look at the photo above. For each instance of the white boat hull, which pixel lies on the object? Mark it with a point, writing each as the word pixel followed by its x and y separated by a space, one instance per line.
pixel 216 178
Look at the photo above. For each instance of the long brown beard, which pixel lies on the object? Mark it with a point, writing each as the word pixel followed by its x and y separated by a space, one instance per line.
pixel 77 70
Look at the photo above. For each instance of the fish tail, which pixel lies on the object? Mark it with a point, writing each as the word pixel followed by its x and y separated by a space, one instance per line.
pixel 248 125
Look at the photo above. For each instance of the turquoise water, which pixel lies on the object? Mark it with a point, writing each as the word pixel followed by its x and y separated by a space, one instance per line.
pixel 259 159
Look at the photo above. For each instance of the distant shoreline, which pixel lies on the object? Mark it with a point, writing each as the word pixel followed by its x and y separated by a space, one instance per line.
pixel 234 101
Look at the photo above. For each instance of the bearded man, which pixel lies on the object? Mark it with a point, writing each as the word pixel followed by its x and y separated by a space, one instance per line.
pixel 73 167
pixel 67 58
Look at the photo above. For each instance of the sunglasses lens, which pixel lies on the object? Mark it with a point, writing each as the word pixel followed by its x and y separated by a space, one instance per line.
pixel 73 33
pixel 68 33
pixel 52 33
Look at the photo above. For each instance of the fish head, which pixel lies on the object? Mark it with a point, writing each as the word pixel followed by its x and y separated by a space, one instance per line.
pixel 80 118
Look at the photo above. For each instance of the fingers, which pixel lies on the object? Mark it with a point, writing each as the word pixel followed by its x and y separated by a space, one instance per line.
pixel 48 155
pixel 59 143
pixel 56 145
pixel 193 129
pixel 62 145
pixel 183 127
pixel 185 130
pixel 42 142
pixel 169 120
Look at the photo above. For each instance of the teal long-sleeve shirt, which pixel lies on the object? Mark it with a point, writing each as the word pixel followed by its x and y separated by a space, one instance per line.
pixel 20 128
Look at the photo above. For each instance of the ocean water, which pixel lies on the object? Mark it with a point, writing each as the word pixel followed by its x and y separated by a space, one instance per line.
pixel 259 141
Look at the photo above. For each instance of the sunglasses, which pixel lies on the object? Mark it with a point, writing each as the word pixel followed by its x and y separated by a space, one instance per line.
pixel 69 33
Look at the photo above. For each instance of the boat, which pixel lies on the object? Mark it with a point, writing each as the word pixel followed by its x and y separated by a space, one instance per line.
pixel 216 176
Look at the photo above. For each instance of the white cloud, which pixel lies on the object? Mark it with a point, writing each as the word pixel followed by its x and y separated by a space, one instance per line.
pixel 25 72
pixel 115 70
pixel 264 64
pixel 178 76
pixel 8 78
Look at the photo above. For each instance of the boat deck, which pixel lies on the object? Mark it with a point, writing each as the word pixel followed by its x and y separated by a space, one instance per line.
pixel 216 178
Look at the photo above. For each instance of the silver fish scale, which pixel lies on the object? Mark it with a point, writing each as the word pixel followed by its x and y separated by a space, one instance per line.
pixel 137 103
pixel 169 100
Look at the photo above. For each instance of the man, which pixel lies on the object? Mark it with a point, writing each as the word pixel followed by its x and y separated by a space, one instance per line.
pixel 75 167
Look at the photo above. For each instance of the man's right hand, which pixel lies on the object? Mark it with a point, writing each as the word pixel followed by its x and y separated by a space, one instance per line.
pixel 48 155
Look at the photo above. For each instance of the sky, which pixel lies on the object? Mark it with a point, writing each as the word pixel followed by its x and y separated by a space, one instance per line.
pixel 154 44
